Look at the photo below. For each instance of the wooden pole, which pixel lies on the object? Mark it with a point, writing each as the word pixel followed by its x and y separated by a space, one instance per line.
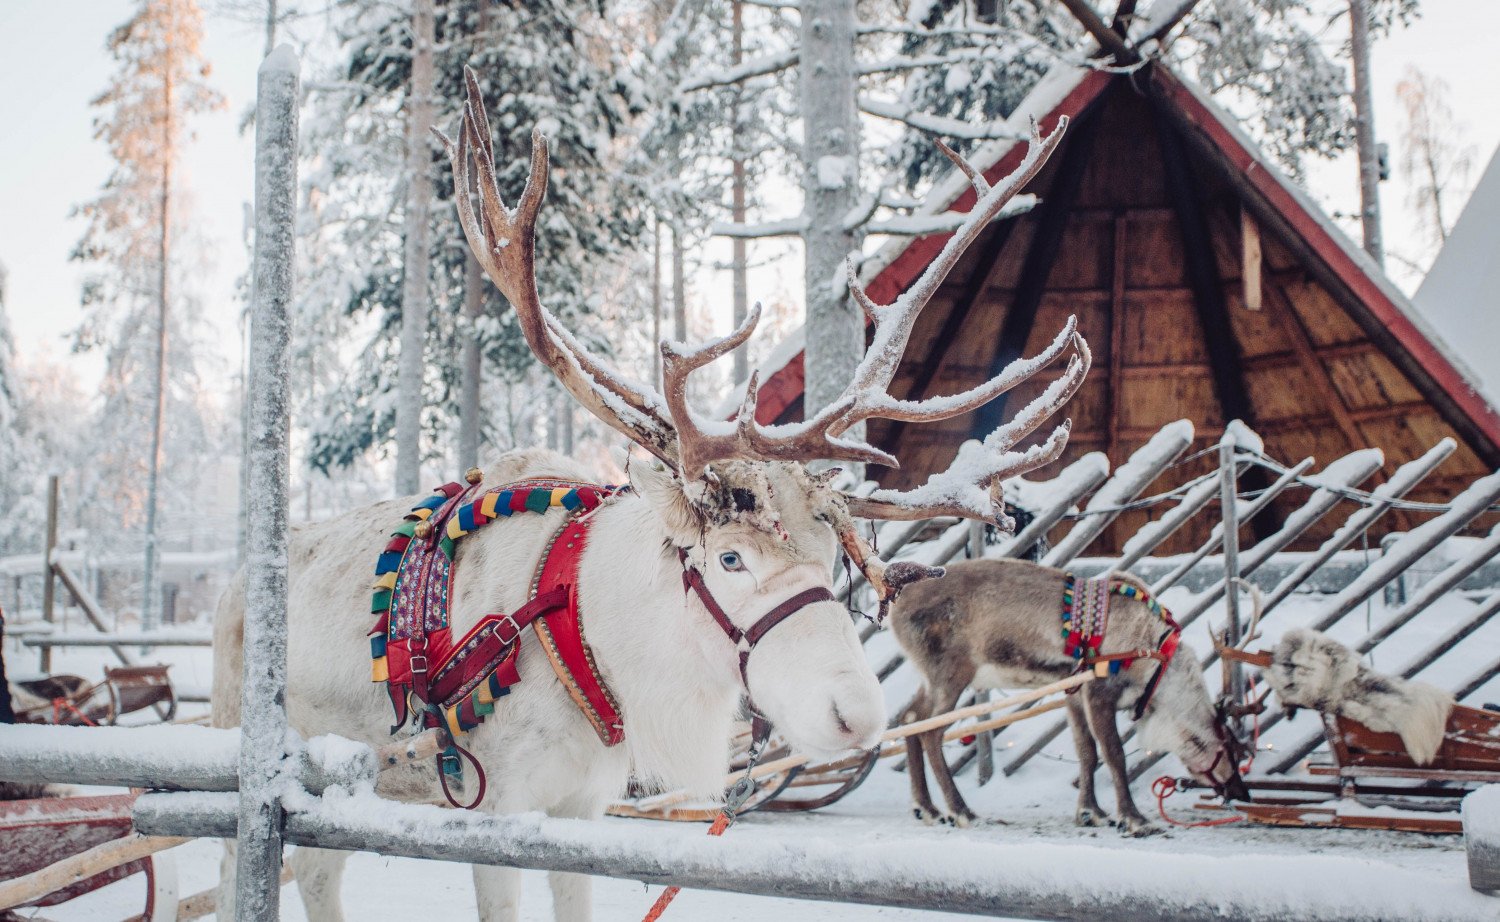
pixel 54 877
pixel 49 577
pixel 263 725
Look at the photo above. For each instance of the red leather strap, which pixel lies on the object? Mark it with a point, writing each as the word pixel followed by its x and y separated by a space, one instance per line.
pixel 562 637
pixel 785 610
pixel 470 660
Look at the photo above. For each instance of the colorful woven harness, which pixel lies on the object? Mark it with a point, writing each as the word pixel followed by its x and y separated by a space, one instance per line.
pixel 456 683
pixel 1085 619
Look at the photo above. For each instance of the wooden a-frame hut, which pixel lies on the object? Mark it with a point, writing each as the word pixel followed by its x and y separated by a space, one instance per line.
pixel 1209 286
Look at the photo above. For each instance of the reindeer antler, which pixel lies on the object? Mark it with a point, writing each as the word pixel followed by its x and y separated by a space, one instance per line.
pixel 503 239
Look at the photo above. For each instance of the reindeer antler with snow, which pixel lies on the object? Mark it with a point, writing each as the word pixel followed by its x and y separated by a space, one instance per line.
pixel 730 510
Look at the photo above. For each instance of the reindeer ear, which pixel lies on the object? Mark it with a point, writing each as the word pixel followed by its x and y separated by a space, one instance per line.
pixel 664 493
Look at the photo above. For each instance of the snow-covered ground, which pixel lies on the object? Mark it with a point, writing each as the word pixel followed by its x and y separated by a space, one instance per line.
pixel 1036 805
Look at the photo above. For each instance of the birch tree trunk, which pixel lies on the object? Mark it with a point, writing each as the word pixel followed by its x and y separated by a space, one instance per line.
pixel 468 398
pixel 1364 129
pixel 163 294
pixel 414 289
pixel 835 326
pixel 679 287
pixel 740 268
pixel 655 299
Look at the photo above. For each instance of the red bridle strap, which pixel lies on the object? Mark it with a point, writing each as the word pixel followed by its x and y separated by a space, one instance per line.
pixel 693 579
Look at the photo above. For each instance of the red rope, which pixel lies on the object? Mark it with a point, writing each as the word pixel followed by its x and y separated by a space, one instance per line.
pixel 61 704
pixel 670 894
pixel 1165 787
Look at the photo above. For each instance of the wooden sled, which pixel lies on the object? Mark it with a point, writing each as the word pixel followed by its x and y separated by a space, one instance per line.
pixel 1374 782
pixel 49 833
pixel 73 701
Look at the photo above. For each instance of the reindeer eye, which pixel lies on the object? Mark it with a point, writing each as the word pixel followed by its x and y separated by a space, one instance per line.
pixel 731 561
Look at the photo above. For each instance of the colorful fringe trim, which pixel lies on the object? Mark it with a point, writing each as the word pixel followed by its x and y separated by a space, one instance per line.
pixel 1085 617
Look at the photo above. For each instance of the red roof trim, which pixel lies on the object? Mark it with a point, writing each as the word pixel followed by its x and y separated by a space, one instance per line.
pixel 784 386
pixel 1367 290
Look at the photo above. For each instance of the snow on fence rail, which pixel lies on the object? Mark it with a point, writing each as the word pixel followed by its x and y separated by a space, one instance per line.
pixel 1021 880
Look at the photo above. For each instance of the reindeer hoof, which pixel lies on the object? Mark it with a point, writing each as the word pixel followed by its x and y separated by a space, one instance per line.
pixel 1140 828
pixel 961 820
pixel 927 815
pixel 1092 819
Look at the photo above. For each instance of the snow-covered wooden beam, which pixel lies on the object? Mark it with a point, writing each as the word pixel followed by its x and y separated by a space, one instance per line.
pixel 1014 880
pixel 178 758
pixel 157 638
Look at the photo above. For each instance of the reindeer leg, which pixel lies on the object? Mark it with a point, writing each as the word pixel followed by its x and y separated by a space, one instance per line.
pixel 959 813
pixel 573 894
pixel 1089 812
pixel 922 806
pixel 319 873
pixel 1101 703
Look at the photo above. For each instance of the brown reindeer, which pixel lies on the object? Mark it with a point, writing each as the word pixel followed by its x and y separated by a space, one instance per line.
pixel 997 624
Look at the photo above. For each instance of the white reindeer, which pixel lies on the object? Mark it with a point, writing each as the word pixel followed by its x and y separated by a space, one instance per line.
pixel 734 498
pixel 995 624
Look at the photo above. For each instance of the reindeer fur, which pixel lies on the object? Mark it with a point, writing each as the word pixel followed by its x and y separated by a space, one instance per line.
pixel 995 624
pixel 1312 670
pixel 673 671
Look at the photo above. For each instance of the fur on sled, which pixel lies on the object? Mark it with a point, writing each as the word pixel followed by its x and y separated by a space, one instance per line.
pixel 1312 670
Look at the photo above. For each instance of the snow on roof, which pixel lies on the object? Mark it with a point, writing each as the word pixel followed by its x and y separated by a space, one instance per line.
pixel 1461 294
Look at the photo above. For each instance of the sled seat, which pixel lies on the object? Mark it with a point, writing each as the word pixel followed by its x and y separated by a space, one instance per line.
pixel 1470 751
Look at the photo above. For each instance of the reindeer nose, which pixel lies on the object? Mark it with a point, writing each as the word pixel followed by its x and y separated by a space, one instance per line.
pixel 858 722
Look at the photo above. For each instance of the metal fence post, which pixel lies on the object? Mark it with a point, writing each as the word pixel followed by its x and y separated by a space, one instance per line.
pixel 263 724
pixel 1228 500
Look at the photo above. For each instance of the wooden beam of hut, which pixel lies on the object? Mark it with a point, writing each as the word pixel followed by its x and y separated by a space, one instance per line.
pixel 1186 196
pixel 1250 260
pixel 1045 245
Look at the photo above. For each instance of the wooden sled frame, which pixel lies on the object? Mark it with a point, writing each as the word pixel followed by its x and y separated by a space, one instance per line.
pixel 58 849
pixel 1370 769
pixel 73 700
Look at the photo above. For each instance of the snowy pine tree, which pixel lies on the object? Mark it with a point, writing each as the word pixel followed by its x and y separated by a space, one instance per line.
pixel 159 84
pixel 548 66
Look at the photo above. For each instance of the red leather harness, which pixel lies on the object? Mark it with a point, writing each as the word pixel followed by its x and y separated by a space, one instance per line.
pixel 457 683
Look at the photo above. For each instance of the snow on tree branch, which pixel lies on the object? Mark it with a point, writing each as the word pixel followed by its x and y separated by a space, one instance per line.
pixel 937 124
pixel 787 227
pixel 726 76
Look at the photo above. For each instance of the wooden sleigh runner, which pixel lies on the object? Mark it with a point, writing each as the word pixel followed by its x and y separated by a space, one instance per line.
pixel 73 701
pixel 1372 779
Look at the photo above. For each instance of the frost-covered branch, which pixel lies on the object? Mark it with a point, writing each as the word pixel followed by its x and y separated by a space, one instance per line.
pixel 937 124
pixel 787 227
pixel 774 4
pixel 920 225
pixel 728 76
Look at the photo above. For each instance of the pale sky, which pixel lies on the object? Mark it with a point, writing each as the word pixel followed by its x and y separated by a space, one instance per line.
pixel 55 63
